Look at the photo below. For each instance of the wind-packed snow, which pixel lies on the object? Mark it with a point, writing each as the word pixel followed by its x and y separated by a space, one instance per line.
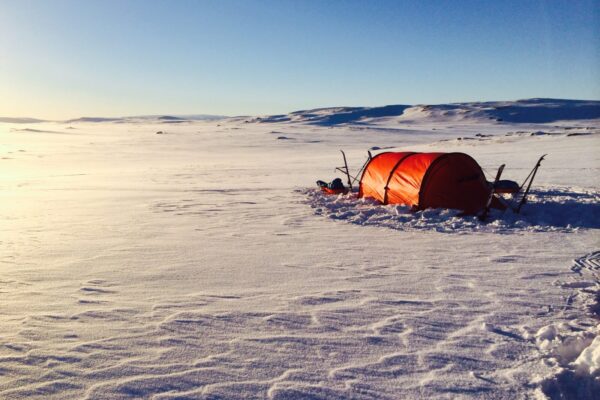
pixel 202 263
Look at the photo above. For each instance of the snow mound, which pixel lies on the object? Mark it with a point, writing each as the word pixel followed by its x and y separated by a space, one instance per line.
pixel 551 209
pixel 588 361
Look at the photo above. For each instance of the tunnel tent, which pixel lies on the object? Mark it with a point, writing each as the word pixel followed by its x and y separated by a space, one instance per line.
pixel 426 180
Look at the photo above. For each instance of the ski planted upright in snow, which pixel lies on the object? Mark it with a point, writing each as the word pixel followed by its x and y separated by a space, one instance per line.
pixel 345 170
pixel 486 210
pixel 530 177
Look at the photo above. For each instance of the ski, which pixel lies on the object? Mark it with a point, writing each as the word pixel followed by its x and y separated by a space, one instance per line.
pixel 345 170
pixel 530 177
pixel 488 204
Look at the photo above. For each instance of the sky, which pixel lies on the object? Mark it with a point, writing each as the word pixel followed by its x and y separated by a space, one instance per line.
pixel 69 58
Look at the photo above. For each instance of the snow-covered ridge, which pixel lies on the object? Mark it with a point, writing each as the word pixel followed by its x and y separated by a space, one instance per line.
pixel 336 115
pixel 9 120
pixel 536 110
pixel 130 119
pixel 149 118
pixel 520 111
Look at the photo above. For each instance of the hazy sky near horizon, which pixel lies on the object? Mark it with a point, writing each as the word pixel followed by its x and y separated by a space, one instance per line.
pixel 69 58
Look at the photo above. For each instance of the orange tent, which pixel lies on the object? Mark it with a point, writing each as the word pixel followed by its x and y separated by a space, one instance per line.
pixel 426 180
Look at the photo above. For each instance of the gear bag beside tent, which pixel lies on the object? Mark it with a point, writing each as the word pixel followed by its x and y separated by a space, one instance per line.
pixel 426 180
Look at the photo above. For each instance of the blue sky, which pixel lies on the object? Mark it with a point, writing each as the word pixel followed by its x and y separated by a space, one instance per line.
pixel 63 59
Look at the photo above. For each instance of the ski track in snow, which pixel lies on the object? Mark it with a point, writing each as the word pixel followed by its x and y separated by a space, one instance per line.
pixel 212 273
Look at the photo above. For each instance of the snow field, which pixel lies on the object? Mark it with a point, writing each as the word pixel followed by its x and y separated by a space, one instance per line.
pixel 200 263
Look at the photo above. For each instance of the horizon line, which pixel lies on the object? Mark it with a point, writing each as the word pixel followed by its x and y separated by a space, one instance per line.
pixel 29 119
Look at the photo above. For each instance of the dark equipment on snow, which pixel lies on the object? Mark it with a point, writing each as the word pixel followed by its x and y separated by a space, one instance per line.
pixel 334 187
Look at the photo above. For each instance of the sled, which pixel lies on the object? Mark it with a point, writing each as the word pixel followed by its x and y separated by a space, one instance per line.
pixel 329 191
pixel 330 188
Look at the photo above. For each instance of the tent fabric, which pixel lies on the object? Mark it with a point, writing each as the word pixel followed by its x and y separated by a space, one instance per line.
pixel 426 180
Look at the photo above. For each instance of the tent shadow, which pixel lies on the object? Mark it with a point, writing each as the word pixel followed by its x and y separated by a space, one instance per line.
pixel 563 215
pixel 561 209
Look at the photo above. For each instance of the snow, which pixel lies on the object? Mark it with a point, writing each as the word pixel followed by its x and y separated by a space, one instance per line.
pixel 203 263
pixel 588 362
pixel 572 347
pixel 548 209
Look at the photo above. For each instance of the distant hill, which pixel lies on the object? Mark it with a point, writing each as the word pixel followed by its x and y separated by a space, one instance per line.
pixel 9 120
pixel 336 115
pixel 520 111
pixel 167 119
pixel 149 118
pixel 92 119
pixel 537 110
